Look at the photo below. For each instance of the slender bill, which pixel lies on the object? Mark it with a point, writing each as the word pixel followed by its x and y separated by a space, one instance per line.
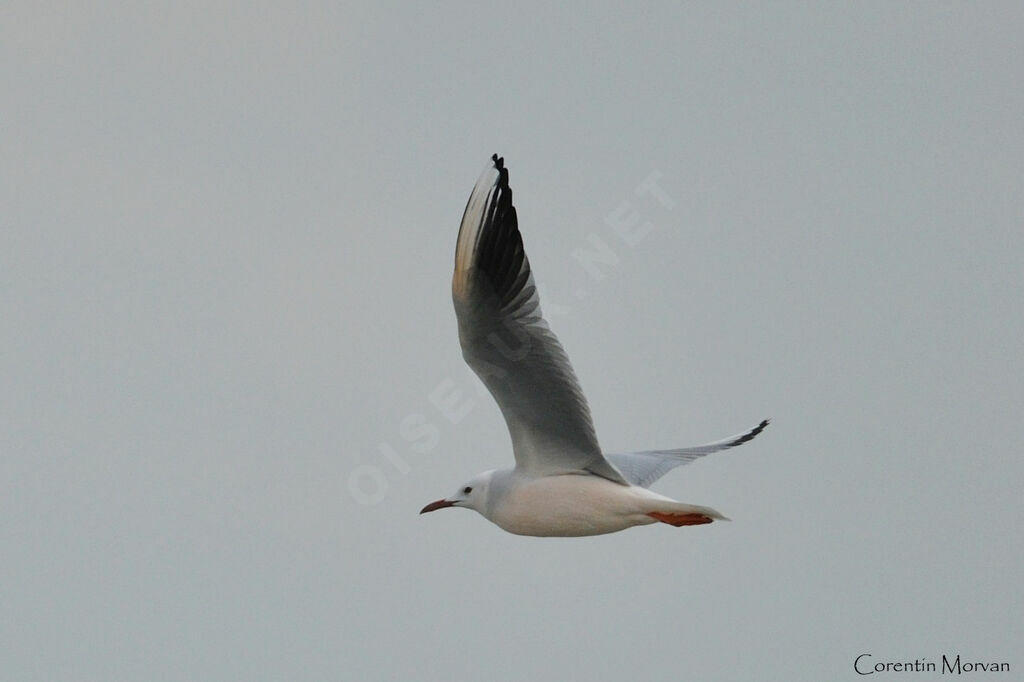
pixel 434 506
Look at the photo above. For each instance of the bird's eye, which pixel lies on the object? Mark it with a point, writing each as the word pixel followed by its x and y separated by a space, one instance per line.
pixel 467 490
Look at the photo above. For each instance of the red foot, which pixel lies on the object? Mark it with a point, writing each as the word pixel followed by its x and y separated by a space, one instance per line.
pixel 680 519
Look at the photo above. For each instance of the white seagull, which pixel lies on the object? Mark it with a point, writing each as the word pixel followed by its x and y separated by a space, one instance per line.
pixel 561 485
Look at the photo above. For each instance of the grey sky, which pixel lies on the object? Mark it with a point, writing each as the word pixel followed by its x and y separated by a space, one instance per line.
pixel 226 245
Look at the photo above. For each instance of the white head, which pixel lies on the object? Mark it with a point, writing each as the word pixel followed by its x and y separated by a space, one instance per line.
pixel 471 494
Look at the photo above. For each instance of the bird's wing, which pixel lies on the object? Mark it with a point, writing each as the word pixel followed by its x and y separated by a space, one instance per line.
pixel 509 345
pixel 644 468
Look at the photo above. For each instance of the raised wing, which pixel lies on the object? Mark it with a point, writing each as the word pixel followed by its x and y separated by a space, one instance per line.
pixel 644 468
pixel 509 345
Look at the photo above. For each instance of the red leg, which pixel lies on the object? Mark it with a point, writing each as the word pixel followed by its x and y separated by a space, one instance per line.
pixel 680 519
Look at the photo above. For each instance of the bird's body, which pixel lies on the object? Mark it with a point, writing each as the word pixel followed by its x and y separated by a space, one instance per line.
pixel 570 505
pixel 562 484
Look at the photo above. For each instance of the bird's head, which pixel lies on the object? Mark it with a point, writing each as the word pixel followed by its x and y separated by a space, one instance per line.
pixel 471 494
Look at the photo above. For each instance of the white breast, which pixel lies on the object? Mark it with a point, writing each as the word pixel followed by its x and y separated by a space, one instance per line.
pixel 572 505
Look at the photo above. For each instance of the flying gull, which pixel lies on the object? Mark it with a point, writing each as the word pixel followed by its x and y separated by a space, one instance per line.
pixel 561 484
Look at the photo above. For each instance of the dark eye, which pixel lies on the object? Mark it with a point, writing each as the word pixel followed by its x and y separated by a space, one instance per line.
pixel 467 490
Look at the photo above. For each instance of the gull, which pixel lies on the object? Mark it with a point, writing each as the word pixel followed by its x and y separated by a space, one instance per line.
pixel 562 484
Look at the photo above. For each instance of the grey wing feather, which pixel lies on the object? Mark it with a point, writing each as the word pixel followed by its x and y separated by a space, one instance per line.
pixel 506 341
pixel 644 468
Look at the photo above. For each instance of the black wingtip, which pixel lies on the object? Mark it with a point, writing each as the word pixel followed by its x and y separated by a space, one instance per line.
pixel 749 436
pixel 499 165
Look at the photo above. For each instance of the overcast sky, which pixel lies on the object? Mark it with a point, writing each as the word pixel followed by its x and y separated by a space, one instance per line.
pixel 231 377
